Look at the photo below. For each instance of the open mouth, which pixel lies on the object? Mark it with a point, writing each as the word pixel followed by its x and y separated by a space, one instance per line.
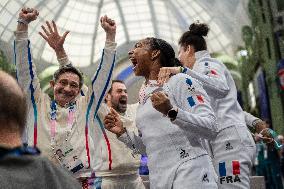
pixel 123 101
pixel 134 62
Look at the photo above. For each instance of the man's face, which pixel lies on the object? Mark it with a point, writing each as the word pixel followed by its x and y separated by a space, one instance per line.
pixel 66 88
pixel 59 153
pixel 118 97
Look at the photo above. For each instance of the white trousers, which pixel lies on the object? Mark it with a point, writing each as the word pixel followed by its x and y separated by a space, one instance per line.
pixel 233 154
pixel 122 182
pixel 196 174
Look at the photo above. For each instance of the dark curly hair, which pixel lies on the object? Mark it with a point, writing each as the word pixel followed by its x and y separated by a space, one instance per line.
pixel 167 53
pixel 195 36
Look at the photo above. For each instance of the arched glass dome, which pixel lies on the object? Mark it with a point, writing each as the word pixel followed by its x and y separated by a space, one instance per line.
pixel 136 19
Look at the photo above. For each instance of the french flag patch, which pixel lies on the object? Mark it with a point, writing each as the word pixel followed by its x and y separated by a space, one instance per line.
pixel 192 100
pixel 235 168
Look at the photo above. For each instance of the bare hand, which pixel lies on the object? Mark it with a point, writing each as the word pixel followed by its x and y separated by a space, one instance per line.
pixel 161 102
pixel 165 74
pixel 113 123
pixel 28 14
pixel 109 26
pixel 261 128
pixel 52 36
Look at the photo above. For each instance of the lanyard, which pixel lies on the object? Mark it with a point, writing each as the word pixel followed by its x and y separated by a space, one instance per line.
pixel 53 122
pixel 70 123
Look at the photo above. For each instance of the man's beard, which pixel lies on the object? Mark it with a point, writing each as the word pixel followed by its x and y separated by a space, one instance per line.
pixel 120 107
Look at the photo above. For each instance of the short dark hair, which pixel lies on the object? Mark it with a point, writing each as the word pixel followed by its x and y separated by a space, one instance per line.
pixel 167 53
pixel 195 36
pixel 68 68
pixel 115 81
pixel 13 105
pixel 112 82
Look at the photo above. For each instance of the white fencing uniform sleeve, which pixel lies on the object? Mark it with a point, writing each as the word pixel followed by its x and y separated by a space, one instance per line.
pixel 26 70
pixel 195 114
pixel 251 120
pixel 212 77
pixel 102 78
pixel 134 142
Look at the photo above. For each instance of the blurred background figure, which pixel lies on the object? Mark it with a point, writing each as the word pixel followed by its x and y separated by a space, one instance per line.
pixel 267 162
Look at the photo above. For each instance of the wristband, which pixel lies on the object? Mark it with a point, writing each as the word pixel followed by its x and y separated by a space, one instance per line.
pixel 22 21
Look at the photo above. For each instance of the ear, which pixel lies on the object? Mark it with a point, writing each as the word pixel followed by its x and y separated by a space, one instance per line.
pixel 107 97
pixel 155 54
pixel 52 83
pixel 190 50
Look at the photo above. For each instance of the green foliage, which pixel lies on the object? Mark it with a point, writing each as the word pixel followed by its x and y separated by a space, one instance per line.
pixel 247 35
pixel 7 66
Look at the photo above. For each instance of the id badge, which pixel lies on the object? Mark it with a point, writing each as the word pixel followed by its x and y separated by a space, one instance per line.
pixel 68 157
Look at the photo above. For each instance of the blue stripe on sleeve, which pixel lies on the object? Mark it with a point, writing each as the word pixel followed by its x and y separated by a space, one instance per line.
pixel 99 68
pixel 105 87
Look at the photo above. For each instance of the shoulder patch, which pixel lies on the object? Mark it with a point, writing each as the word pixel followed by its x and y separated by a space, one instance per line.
pixel 190 88
pixel 188 81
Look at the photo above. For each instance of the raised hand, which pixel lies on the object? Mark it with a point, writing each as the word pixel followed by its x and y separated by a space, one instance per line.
pixel 28 15
pixel 109 26
pixel 52 36
pixel 166 72
pixel 113 123
pixel 161 102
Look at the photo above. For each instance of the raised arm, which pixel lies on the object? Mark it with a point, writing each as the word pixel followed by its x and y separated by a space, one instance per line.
pixel 210 74
pixel 102 77
pixel 113 123
pixel 26 71
pixel 193 111
pixel 55 41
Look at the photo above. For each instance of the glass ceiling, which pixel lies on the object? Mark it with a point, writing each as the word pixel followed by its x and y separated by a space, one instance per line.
pixel 135 19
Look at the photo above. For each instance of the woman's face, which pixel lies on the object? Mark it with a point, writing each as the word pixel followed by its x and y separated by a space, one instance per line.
pixel 186 56
pixel 140 56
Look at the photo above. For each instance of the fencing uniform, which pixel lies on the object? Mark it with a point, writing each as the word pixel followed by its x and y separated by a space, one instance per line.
pixel 233 149
pixel 119 166
pixel 62 133
pixel 251 120
pixel 176 158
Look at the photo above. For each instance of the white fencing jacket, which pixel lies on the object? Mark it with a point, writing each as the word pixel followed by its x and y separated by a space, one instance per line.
pixel 116 158
pixel 221 88
pixel 170 144
pixel 39 117
pixel 250 119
